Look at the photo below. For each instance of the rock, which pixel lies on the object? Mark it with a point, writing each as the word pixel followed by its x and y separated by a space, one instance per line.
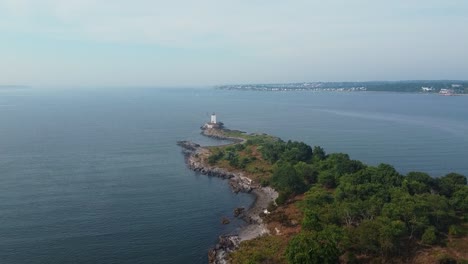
pixel 212 256
pixel 225 245
pixel 188 147
pixel 249 220
pixel 238 211
pixel 238 185
pixel 225 221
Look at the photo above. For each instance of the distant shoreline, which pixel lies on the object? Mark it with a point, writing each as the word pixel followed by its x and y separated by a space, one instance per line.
pixel 457 87
pixel 347 92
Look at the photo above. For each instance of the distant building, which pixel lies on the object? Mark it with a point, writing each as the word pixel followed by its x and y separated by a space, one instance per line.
pixel 447 92
pixel 427 89
pixel 456 85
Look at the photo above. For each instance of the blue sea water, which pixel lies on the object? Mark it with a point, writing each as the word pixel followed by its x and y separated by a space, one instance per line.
pixel 95 176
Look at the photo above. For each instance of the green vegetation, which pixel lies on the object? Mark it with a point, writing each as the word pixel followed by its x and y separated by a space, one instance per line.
pixel 315 247
pixel 351 211
pixel 266 249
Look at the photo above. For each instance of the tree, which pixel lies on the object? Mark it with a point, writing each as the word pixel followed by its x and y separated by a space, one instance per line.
pixel 318 153
pixel 317 197
pixel 307 171
pixel 311 220
pixel 409 209
pixel 315 247
pixel 327 179
pixel 285 179
pixel 429 237
pixel 215 157
pixel 380 236
pixel 451 183
pixel 387 175
pixel 459 201
pixel 271 151
pixel 418 183
pixel 297 151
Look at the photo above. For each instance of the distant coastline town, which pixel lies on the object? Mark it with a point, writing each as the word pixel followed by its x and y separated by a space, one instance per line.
pixel 446 87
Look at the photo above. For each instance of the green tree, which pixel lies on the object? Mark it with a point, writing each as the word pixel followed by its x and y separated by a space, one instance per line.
pixel 272 151
pixel 296 151
pixel 315 247
pixel 318 153
pixel 429 237
pixel 418 183
pixel 234 161
pixel 215 157
pixel 409 209
pixel 285 179
pixel 459 201
pixel 387 175
pixel 307 171
pixel 327 179
pixel 451 183
pixel 380 236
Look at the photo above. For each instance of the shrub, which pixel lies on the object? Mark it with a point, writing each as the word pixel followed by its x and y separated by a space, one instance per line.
pixel 429 237
pixel 455 231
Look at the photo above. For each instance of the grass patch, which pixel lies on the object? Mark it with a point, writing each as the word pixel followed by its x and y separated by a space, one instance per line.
pixel 265 249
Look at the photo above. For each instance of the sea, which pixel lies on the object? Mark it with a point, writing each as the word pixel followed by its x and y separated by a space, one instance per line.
pixel 94 175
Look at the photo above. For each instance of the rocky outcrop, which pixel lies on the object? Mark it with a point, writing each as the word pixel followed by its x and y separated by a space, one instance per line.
pixel 238 211
pixel 225 221
pixel 237 181
pixel 188 147
pixel 226 244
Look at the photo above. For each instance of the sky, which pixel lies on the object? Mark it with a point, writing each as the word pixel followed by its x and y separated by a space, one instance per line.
pixel 212 42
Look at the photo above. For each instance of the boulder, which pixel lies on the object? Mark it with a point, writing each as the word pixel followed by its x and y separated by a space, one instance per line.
pixel 238 211
pixel 225 221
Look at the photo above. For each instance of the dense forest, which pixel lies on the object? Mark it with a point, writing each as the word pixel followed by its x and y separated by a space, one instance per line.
pixel 351 212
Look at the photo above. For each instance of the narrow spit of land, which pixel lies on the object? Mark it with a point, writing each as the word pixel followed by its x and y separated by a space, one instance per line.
pixel 327 208
pixel 198 159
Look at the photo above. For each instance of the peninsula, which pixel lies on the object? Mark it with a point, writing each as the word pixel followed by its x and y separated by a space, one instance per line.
pixel 314 207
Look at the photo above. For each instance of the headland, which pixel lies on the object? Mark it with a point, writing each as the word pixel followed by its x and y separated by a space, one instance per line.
pixel 314 207
pixel 197 156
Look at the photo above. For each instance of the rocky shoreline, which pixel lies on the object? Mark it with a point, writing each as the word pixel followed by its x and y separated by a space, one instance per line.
pixel 239 183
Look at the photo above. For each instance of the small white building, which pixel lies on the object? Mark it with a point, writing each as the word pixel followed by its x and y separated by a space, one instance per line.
pixel 213 123
pixel 427 89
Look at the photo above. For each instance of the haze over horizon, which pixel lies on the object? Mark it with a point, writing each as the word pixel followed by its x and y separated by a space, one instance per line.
pixel 207 42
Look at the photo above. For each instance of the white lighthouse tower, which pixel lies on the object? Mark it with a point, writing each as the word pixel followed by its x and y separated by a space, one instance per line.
pixel 213 124
pixel 213 118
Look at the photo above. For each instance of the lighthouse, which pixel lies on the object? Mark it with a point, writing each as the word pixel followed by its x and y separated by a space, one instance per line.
pixel 213 124
pixel 213 118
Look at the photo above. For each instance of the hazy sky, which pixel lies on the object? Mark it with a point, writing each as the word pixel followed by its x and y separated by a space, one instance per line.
pixel 205 42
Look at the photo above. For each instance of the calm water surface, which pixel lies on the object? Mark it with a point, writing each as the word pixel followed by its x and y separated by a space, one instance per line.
pixel 94 176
